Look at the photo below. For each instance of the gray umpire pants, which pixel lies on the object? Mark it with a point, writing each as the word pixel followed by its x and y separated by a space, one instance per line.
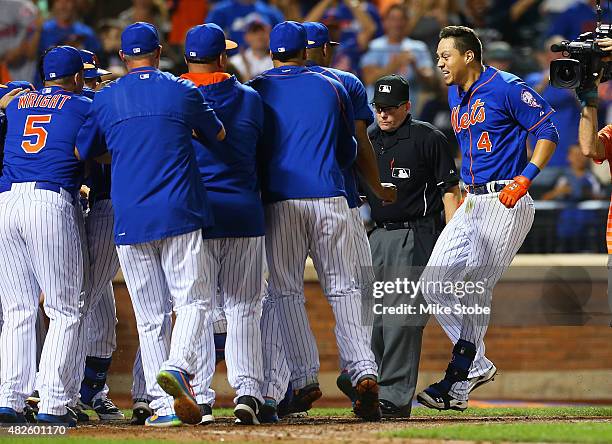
pixel 396 339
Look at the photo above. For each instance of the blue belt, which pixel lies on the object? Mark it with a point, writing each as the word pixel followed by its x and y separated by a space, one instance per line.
pixel 485 188
pixel 49 186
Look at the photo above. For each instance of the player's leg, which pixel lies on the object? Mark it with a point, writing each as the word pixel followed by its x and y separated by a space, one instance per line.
pixel 497 236
pixel 146 283
pixel 19 302
pixel 187 262
pixel 333 253
pixel 241 282
pixel 286 250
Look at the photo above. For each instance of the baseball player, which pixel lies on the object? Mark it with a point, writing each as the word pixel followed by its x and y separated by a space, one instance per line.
pixel 307 213
pixel 229 171
pixel 160 210
pixel 99 340
pixel 39 235
pixel 492 113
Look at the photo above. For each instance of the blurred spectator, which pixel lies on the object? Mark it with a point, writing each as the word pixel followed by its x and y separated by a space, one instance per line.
pixel 353 23
pixel 110 35
pixel 19 35
pixel 499 55
pixel 425 20
pixel 255 59
pixel 578 19
pixel 184 15
pixel 576 184
pixel 565 118
pixel 394 53
pixel 436 111
pixel 63 28
pixel 475 14
pixel 519 21
pixel 150 11
pixel 291 9
pixel 233 15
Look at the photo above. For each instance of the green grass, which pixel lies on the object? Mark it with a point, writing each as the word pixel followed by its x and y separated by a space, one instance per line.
pixel 583 432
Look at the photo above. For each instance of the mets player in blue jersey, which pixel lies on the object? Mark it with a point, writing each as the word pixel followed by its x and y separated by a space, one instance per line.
pixel 39 238
pixel 229 172
pixel 307 142
pixel 492 113
pixel 160 210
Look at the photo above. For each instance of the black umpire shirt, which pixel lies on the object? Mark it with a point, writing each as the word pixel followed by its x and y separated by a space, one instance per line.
pixel 416 158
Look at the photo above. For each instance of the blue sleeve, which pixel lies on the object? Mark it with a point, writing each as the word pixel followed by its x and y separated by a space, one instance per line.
pixel 526 106
pixel 90 141
pixel 201 117
pixel 359 99
pixel 216 16
pixel 346 152
pixel 547 130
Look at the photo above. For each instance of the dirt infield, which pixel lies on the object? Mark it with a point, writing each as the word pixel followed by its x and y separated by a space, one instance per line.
pixel 332 429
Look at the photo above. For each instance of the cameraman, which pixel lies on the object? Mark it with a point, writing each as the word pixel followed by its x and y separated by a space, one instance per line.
pixel 597 145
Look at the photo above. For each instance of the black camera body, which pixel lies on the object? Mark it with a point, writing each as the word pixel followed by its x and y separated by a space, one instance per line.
pixel 583 62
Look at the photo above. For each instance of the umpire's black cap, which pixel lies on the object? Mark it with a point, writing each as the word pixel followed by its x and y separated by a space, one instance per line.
pixel 391 90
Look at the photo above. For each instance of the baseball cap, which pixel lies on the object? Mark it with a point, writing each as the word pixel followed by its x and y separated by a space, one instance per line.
pixel 288 37
pixel 391 90
pixel 256 22
pixel 139 38
pixel 317 34
pixel 91 65
pixel 206 40
pixel 8 87
pixel 62 61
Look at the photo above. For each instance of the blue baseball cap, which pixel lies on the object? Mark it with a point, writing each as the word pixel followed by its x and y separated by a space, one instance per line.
pixel 139 38
pixel 91 65
pixel 62 61
pixel 317 34
pixel 8 87
pixel 288 37
pixel 206 40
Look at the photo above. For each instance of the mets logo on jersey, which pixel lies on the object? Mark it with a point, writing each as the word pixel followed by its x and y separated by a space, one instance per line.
pixel 476 114
pixel 528 98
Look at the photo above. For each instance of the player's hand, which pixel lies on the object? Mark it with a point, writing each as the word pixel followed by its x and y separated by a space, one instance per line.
pixel 8 97
pixel 512 192
pixel 387 193
pixel 605 44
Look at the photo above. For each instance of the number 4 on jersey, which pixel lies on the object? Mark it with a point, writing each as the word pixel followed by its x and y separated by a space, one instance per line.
pixel 484 143
pixel 38 132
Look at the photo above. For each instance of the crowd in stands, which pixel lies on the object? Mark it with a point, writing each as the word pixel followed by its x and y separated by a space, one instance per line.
pixel 376 38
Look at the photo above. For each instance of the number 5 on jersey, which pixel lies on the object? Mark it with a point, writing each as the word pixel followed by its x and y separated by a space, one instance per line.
pixel 38 132
pixel 484 143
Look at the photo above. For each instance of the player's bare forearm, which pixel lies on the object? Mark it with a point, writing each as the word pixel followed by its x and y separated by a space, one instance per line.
pixel 451 199
pixel 542 152
pixel 590 144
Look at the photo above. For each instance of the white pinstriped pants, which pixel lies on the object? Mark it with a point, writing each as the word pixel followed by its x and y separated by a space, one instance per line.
pixel 40 249
pixel 323 229
pixel 478 244
pixel 175 269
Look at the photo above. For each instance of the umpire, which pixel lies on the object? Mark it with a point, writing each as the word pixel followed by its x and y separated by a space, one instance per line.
pixel 414 156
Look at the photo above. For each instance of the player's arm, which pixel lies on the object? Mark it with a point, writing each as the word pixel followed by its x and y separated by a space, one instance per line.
pixel 90 143
pixel 202 118
pixel 451 199
pixel 346 151
pixel 9 97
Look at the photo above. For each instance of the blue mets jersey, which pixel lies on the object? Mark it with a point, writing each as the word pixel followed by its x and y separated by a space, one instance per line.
pixel 308 134
pixel 229 167
pixel 359 99
pixel 147 119
pixel 491 121
pixel 40 138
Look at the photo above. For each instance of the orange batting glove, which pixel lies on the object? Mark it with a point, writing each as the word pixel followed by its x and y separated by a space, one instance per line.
pixel 512 192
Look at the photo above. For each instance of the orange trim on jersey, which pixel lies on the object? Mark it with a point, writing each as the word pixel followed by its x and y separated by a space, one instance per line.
pixel 541 120
pixel 206 78
pixel 469 127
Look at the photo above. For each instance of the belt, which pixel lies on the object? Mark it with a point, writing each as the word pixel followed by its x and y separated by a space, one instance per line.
pixel 411 224
pixel 487 188
pixel 48 186
pixel 390 226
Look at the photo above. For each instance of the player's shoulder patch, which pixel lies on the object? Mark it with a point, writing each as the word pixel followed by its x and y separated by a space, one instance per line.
pixel 528 98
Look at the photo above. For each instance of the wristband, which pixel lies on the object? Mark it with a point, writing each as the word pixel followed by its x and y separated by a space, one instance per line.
pixel 588 97
pixel 531 171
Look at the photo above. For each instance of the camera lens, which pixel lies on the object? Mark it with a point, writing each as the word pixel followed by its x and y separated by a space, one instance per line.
pixel 566 74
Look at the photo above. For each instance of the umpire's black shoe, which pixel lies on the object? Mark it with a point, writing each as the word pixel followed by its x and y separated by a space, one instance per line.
pixel 390 410
pixel 367 405
pixel 140 411
pixel 246 410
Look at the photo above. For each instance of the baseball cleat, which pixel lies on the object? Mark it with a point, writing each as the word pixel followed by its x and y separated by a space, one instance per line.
pixel 140 411
pixel 163 421
pixel 77 413
pixel 29 414
pixel 436 397
pixel 367 405
pixel 176 384
pixel 268 412
pixel 343 382
pixel 390 410
pixel 11 416
pixel 33 400
pixel 477 381
pixel 67 419
pixel 303 399
pixel 107 410
pixel 207 414
pixel 246 410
